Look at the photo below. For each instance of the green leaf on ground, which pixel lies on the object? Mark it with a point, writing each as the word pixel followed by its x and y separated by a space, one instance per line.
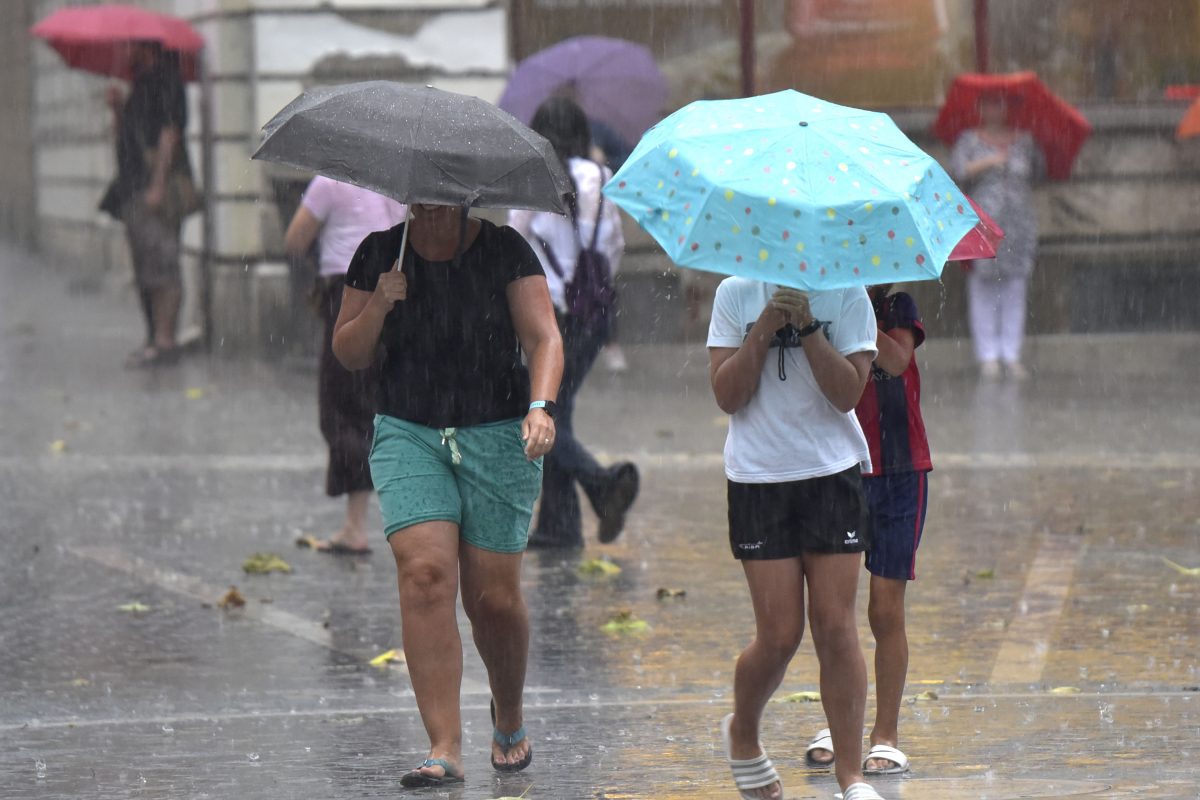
pixel 801 697
pixel 625 622
pixel 986 573
pixel 133 608
pixel 599 566
pixel 263 563
pixel 1065 690
pixel 1181 569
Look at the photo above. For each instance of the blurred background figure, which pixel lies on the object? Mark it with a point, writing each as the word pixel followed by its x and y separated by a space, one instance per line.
pixel 559 242
pixel 340 216
pixel 998 165
pixel 153 191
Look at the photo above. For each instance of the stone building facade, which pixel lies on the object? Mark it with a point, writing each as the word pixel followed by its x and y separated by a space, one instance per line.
pixel 1118 240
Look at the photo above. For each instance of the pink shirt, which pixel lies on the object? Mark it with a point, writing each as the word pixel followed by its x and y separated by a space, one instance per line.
pixel 347 214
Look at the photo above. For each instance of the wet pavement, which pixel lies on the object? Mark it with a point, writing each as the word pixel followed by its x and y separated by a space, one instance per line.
pixel 1057 647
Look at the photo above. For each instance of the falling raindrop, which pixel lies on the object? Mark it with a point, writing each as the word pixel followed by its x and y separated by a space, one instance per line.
pixel 252 756
pixel 167 729
pixel 40 766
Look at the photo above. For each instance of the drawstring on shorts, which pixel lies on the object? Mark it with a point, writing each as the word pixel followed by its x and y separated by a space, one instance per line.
pixel 448 439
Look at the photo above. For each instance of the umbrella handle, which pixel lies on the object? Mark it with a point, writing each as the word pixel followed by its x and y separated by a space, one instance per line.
pixel 403 241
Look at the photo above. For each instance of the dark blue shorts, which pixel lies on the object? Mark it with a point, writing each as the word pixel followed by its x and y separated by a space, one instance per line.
pixel 897 504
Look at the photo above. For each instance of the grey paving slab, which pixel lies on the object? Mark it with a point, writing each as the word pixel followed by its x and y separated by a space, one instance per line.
pixel 1060 644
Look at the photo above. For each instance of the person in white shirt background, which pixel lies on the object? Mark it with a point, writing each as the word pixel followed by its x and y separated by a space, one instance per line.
pixel 558 240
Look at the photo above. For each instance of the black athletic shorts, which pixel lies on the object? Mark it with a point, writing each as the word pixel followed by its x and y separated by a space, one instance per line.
pixel 783 520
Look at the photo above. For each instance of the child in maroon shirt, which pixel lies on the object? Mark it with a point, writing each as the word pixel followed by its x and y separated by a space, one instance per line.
pixel 897 493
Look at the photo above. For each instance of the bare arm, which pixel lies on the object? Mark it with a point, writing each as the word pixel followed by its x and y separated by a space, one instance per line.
pixel 841 378
pixel 360 320
pixel 896 349
pixel 537 329
pixel 734 372
pixel 301 233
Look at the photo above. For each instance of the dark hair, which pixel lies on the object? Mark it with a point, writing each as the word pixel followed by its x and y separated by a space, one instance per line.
pixel 565 126
pixel 563 123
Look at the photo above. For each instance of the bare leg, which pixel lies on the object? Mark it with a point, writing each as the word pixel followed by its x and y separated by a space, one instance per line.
pixel 832 585
pixel 777 594
pixel 166 302
pixel 427 571
pixel 354 530
pixel 491 589
pixel 886 613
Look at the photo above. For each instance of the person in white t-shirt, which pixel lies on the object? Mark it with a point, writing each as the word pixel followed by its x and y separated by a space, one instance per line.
pixel 789 368
pixel 342 215
pixel 558 241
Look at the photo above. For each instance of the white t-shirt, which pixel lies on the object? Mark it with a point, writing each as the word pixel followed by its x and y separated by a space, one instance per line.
pixel 557 230
pixel 789 430
pixel 347 214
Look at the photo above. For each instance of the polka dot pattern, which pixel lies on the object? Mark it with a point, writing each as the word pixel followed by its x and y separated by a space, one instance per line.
pixel 742 187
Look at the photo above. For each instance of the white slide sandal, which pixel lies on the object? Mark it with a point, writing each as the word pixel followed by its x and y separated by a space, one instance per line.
pixel 823 741
pixel 749 773
pixel 887 753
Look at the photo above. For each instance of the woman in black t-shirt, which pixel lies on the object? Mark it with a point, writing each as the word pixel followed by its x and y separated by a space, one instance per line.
pixel 459 439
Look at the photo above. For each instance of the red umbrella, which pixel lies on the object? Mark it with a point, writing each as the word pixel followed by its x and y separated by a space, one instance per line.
pixel 981 241
pixel 1059 128
pixel 97 38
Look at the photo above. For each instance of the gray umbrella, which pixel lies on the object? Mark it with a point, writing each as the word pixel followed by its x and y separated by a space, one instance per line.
pixel 418 144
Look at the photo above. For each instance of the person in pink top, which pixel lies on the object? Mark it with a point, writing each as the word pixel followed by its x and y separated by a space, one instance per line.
pixel 339 216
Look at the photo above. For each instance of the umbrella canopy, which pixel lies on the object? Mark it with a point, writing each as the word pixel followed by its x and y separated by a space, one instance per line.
pixel 793 190
pixel 1189 126
pixel 614 81
pixel 982 241
pixel 418 144
pixel 1058 127
pixel 97 38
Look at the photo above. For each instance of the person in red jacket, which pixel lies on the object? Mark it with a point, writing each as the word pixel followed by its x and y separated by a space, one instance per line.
pixel 897 495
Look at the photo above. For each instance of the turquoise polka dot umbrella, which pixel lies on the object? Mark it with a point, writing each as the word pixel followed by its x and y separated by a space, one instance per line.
pixel 793 190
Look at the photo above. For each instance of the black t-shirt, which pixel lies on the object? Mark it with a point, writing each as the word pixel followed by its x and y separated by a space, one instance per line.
pixel 453 358
pixel 156 100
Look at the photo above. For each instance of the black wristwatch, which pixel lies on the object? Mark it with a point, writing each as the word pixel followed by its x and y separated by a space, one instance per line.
pixel 810 328
pixel 549 406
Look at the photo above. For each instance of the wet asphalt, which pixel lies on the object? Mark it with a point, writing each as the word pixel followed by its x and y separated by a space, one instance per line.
pixel 1054 648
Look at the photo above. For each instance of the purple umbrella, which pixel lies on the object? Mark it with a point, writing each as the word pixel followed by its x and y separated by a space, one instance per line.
pixel 616 82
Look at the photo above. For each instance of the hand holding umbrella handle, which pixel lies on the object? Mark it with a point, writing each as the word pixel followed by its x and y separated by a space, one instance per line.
pixel 792 305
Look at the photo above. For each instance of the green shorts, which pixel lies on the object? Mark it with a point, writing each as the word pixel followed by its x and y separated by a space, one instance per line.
pixel 476 477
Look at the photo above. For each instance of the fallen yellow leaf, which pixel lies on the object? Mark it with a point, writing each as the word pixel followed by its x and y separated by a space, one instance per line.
pixel 133 608
pixel 81 682
pixel 599 566
pixel 1182 570
pixel 925 695
pixel 262 563
pixel 309 541
pixel 801 697
pixel 927 682
pixel 665 593
pixel 58 446
pixel 388 657
pixel 194 393
pixel 1065 690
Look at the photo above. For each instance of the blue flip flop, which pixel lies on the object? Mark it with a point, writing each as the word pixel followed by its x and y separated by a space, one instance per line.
pixel 508 741
pixel 419 780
